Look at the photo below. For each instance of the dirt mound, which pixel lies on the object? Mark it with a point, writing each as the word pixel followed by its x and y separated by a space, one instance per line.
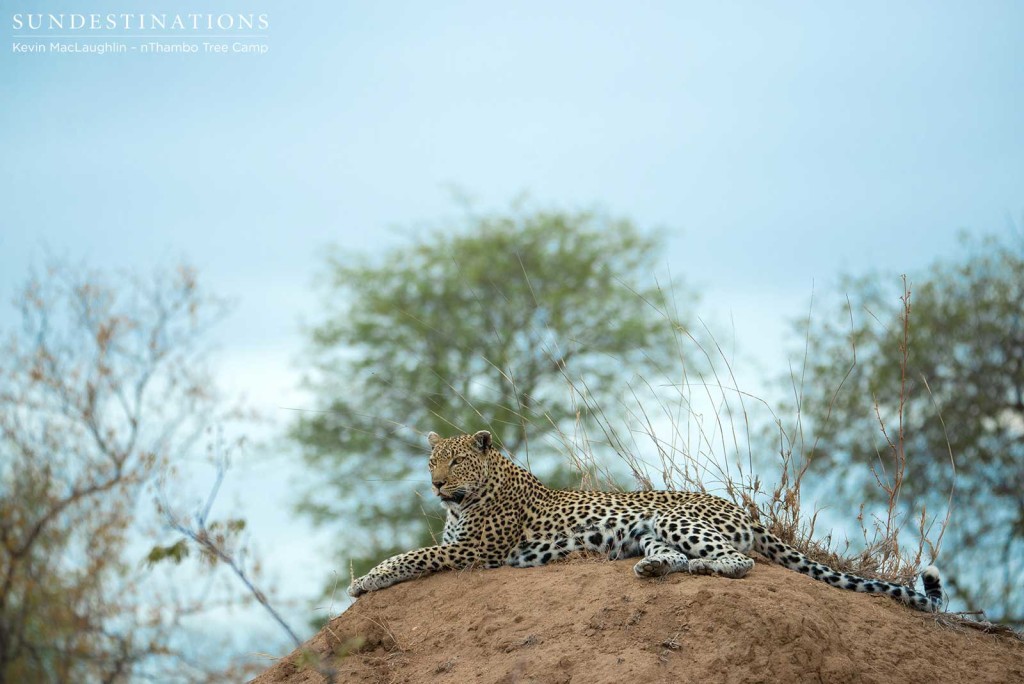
pixel 594 621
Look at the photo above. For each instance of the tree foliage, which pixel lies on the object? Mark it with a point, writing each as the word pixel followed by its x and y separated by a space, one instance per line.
pixel 102 387
pixel 482 327
pixel 964 396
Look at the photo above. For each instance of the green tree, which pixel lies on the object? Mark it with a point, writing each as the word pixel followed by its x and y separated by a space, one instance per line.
pixel 963 394
pixel 483 327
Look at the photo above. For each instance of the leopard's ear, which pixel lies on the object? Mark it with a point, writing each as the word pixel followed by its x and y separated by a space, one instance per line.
pixel 434 439
pixel 483 440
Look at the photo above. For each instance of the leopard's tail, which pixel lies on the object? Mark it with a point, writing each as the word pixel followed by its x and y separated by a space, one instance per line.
pixel 785 555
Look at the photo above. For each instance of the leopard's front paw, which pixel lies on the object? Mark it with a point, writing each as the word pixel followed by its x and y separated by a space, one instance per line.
pixel 365 585
pixel 355 590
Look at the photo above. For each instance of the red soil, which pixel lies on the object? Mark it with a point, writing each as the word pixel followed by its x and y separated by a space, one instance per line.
pixel 594 621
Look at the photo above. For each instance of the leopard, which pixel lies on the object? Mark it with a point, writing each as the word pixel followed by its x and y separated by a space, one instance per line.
pixel 499 514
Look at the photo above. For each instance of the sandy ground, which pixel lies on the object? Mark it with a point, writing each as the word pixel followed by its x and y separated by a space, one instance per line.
pixel 594 621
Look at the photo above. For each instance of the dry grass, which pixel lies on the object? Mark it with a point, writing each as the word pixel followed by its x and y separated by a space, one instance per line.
pixel 974 621
pixel 695 433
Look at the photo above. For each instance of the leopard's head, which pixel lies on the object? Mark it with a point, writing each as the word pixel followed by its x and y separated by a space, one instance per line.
pixel 459 466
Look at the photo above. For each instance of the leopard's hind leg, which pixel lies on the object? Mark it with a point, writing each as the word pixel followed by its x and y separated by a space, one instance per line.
pixel 709 551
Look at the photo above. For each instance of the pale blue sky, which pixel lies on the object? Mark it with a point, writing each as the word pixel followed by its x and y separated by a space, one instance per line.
pixel 778 143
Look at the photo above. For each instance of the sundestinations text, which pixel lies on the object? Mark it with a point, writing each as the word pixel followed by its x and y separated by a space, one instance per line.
pixel 194 21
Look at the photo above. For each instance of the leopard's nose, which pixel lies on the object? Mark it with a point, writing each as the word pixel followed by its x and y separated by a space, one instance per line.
pixel 438 483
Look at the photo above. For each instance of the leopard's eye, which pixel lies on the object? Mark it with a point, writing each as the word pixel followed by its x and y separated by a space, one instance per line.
pixel 455 461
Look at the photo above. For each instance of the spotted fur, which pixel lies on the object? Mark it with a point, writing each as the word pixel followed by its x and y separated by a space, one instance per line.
pixel 500 514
